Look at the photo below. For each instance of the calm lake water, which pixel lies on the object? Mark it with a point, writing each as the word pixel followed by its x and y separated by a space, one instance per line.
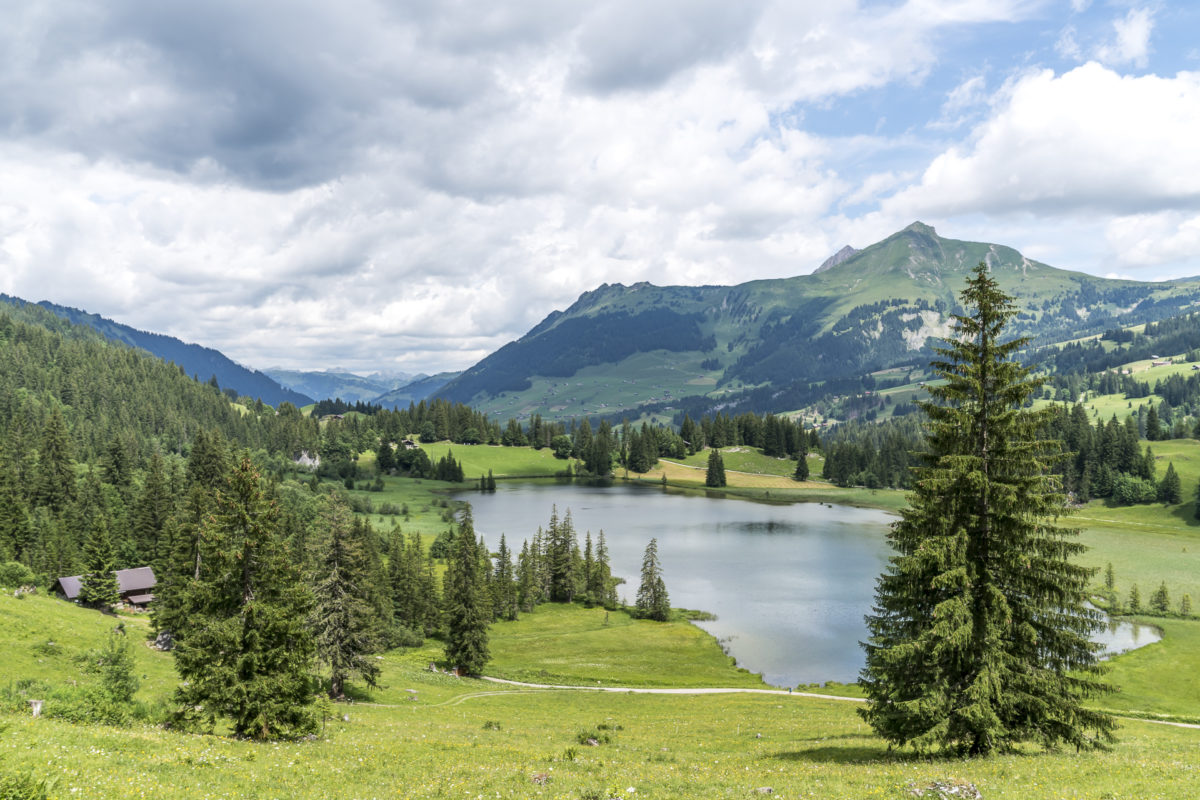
pixel 790 584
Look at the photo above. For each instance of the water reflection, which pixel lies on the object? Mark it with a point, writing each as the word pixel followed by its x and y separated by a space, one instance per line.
pixel 789 584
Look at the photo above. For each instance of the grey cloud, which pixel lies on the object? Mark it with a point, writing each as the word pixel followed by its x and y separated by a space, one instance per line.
pixel 638 45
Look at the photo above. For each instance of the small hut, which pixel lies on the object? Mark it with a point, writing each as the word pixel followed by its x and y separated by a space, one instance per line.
pixel 136 586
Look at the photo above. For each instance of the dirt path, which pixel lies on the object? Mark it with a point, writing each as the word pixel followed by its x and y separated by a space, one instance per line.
pixel 653 690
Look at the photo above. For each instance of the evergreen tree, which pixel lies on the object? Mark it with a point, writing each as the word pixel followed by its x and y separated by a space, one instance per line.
pixel 243 646
pixel 980 634
pixel 1160 601
pixel 1110 577
pixel 1153 428
pixel 98 585
pixel 1185 605
pixel 467 611
pixel 1135 600
pixel 560 543
pixel 55 485
pixel 1170 491
pixel 715 475
pixel 151 512
pixel 652 601
pixel 605 583
pixel 343 618
pixel 504 584
pixel 801 473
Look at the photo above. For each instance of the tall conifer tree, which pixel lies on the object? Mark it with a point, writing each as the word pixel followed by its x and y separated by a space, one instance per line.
pixel 244 649
pixel 652 600
pixel 343 618
pixel 98 585
pixel 979 639
pixel 467 609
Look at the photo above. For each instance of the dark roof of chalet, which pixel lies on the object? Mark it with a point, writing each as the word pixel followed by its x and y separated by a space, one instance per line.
pixel 138 579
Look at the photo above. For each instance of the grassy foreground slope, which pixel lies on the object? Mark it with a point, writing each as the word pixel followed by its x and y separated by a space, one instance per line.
pixel 429 735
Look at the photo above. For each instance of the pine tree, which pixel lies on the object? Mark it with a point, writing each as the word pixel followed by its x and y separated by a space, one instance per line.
pixel 715 475
pixel 1185 605
pixel 1160 601
pixel 980 634
pixel 98 585
pixel 244 650
pixel 1135 600
pixel 560 544
pixel 467 611
pixel 151 512
pixel 343 618
pixel 652 601
pixel 55 485
pixel 504 584
pixel 1170 491
pixel 605 582
pixel 801 473
pixel 1110 577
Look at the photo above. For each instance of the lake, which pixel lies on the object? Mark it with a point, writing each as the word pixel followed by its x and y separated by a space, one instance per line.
pixel 790 584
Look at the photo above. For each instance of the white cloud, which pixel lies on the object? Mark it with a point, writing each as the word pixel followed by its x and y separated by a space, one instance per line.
pixel 1086 140
pixel 1131 40
pixel 413 185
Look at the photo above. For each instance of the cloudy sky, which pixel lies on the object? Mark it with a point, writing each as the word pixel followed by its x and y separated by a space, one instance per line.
pixel 410 185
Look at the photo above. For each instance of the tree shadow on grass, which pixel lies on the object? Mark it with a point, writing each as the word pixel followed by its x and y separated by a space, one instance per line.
pixel 842 754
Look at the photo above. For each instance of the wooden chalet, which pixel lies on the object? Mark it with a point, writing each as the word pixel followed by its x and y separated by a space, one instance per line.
pixel 136 586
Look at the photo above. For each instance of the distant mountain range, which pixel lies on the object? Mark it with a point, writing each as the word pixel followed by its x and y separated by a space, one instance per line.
pixel 773 345
pixel 200 362
pixel 394 390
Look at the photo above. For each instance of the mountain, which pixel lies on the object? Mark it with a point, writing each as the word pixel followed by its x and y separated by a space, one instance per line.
pixel 845 253
pixel 773 345
pixel 198 361
pixel 421 388
pixel 331 384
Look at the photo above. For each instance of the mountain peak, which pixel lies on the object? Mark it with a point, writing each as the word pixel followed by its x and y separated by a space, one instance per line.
pixel 844 254
pixel 921 228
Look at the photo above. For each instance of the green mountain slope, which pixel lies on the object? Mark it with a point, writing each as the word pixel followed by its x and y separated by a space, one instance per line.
pixel 768 344
pixel 197 360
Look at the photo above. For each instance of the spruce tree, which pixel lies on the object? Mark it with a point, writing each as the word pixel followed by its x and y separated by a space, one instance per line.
pixel 98 585
pixel 343 618
pixel 1170 491
pixel 1160 601
pixel 1135 600
pixel 801 473
pixel 980 633
pixel 467 610
pixel 55 486
pixel 504 584
pixel 244 650
pixel 652 601
pixel 1185 605
pixel 605 582
pixel 715 474
pixel 151 512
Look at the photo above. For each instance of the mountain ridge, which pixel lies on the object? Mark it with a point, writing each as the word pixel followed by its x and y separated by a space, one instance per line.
pixel 769 338
pixel 196 360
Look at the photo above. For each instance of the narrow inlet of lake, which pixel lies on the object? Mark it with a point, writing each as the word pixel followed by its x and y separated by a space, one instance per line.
pixel 790 584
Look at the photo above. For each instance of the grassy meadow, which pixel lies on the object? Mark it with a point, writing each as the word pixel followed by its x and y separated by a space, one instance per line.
pixel 429 735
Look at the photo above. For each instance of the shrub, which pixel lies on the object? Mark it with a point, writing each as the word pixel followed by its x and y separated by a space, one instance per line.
pixel 14 574
pixel 1128 490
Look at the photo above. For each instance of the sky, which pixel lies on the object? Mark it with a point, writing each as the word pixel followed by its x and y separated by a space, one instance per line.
pixel 409 186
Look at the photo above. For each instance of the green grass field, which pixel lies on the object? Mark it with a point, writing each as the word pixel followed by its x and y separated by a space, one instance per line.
pixel 429 735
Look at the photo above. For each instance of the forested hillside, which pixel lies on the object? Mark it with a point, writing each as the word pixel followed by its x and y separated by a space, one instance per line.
pixel 201 362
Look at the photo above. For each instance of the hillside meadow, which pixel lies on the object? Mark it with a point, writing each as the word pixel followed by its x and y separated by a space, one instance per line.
pixel 430 735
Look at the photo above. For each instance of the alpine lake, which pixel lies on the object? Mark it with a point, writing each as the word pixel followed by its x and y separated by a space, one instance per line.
pixel 790 584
